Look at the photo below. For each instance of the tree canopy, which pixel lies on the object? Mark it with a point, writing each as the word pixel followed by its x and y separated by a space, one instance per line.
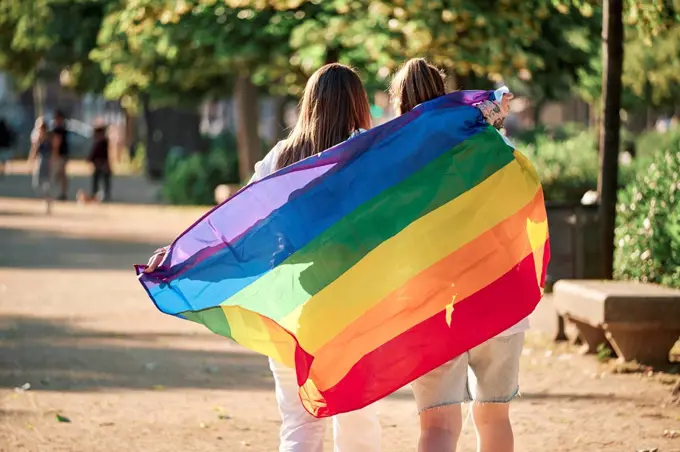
pixel 48 38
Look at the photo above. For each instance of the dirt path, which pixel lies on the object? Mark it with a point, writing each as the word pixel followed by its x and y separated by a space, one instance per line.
pixel 76 326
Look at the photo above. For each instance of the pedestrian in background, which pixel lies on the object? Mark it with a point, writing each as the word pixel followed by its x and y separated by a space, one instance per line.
pixel 60 148
pixel 41 158
pixel 6 142
pixel 99 158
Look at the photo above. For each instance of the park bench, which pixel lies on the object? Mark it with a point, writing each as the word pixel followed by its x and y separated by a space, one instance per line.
pixel 640 321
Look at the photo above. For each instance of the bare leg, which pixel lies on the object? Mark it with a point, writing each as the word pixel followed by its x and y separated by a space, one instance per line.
pixel 492 423
pixel 440 429
pixel 64 183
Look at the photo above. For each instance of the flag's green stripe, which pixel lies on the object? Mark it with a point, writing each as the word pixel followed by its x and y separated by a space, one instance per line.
pixel 213 318
pixel 337 249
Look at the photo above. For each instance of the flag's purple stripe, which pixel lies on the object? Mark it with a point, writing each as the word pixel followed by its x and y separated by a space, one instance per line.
pixel 243 205
pixel 215 232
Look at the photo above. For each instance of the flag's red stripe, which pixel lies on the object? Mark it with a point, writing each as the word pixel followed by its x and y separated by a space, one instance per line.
pixel 414 353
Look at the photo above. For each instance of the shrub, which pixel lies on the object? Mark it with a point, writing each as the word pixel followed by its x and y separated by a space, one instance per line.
pixel 649 143
pixel 648 221
pixel 555 133
pixel 567 169
pixel 191 178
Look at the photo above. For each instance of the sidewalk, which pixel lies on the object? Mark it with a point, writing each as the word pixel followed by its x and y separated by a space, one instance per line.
pixel 126 189
pixel 76 325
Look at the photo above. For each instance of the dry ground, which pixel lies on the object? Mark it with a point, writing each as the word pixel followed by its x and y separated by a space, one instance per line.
pixel 75 325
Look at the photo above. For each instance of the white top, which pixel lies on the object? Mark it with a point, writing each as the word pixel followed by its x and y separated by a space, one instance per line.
pixel 519 327
pixel 267 166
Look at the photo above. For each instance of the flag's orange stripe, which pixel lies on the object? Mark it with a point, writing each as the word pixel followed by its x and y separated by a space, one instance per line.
pixel 430 344
pixel 472 267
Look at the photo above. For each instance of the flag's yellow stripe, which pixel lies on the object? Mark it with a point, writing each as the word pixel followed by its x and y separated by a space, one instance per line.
pixel 473 267
pixel 420 245
pixel 260 334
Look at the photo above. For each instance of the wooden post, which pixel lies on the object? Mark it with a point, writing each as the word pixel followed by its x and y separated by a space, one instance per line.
pixel 607 186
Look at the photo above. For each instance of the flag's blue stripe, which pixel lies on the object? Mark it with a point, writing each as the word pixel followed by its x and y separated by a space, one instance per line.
pixel 317 207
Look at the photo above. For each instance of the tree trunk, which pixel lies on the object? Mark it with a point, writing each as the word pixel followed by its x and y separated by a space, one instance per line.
pixel 247 107
pixel 130 132
pixel 538 108
pixel 649 111
pixel 39 98
pixel 332 55
pixel 612 54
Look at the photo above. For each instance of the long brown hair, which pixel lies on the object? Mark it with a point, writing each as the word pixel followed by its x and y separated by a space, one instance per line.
pixel 416 82
pixel 333 106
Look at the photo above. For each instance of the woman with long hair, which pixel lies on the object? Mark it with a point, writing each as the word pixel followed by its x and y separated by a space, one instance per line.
pixel 494 363
pixel 334 108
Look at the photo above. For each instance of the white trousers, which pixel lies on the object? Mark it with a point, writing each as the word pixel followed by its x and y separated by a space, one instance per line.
pixel 358 431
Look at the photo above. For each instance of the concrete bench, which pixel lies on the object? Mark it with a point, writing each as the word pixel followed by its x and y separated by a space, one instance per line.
pixel 640 321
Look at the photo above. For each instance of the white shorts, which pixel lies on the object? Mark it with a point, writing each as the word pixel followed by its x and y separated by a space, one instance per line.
pixel 495 368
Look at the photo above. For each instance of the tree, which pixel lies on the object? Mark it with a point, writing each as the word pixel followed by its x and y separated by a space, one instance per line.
pixel 652 73
pixel 180 53
pixel 472 39
pixel 651 17
pixel 43 38
pixel 562 56
pixel 607 184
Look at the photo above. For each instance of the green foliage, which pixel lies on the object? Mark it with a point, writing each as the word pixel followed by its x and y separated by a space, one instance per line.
pixel 177 50
pixel 567 168
pixel 651 73
pixel 647 17
pixel 555 133
pixel 649 143
pixel 562 54
pixel 648 221
pixel 49 38
pixel 469 38
pixel 604 352
pixel 192 178
pixel 567 161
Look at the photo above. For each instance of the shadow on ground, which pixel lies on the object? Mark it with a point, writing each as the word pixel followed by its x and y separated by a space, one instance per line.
pixel 125 189
pixel 20 248
pixel 52 355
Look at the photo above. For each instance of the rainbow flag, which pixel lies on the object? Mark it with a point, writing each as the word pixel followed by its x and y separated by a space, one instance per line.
pixel 372 263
